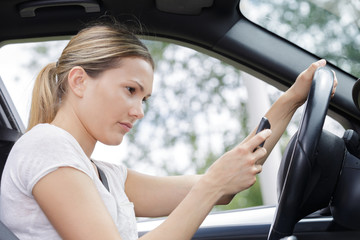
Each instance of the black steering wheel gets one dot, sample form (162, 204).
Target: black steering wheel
(301, 156)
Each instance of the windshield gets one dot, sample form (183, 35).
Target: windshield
(327, 28)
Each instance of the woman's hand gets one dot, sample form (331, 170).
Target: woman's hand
(301, 87)
(283, 109)
(236, 170)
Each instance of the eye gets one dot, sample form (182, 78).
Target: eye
(131, 90)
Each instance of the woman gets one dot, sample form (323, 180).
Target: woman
(52, 190)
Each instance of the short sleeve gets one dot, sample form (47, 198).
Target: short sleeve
(41, 152)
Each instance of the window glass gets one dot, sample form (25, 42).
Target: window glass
(199, 109)
(327, 28)
(19, 66)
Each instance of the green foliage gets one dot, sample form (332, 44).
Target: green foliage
(251, 197)
(198, 108)
(197, 112)
(330, 29)
(43, 53)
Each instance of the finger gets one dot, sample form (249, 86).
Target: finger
(258, 168)
(259, 155)
(259, 138)
(320, 63)
(309, 72)
(335, 84)
(260, 152)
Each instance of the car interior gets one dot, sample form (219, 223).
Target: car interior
(10, 131)
(317, 188)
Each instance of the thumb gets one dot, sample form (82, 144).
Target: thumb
(312, 68)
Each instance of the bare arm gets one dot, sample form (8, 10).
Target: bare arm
(283, 109)
(71, 202)
(233, 172)
(73, 205)
(162, 194)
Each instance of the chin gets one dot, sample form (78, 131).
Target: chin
(112, 141)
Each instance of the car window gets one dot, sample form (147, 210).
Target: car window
(200, 108)
(329, 29)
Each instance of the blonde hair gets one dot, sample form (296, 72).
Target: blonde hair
(96, 48)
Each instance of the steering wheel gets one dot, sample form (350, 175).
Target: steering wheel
(302, 155)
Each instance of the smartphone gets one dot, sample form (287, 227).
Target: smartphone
(264, 124)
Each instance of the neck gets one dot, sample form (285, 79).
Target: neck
(69, 121)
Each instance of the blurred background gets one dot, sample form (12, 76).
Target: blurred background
(202, 107)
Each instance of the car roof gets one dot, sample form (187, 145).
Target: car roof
(216, 27)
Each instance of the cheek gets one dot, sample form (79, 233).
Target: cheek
(110, 109)
(94, 114)
(103, 109)
(115, 106)
(103, 102)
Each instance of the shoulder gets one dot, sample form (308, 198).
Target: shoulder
(45, 134)
(42, 150)
(45, 141)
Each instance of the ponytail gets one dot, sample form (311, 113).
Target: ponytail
(45, 99)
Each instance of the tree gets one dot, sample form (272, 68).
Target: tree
(197, 113)
(328, 28)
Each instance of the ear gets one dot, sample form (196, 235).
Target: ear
(77, 81)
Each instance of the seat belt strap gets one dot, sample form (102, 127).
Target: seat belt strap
(103, 177)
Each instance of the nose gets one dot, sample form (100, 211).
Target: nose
(137, 111)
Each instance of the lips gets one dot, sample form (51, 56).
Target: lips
(126, 126)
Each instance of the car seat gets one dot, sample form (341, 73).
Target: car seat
(8, 136)
(7, 140)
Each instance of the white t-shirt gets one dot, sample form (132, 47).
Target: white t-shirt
(39, 152)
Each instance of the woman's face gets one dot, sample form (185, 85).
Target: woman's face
(113, 101)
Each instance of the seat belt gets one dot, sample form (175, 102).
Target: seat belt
(103, 177)
(5, 233)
